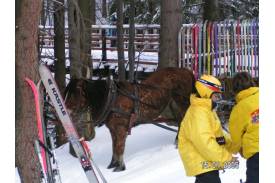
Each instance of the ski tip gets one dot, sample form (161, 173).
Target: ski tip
(42, 66)
(29, 81)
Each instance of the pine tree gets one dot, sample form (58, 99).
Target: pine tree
(26, 65)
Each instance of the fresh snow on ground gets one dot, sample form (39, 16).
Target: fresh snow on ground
(151, 57)
(150, 156)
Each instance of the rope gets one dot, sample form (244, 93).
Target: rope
(165, 127)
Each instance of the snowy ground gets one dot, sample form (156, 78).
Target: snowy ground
(150, 157)
(149, 57)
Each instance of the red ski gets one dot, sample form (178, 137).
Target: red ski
(39, 124)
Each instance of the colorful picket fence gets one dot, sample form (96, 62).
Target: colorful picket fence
(220, 48)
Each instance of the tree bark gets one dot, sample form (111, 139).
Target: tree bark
(79, 17)
(104, 15)
(93, 12)
(131, 47)
(93, 22)
(170, 24)
(59, 46)
(85, 39)
(211, 10)
(26, 65)
(120, 41)
(74, 39)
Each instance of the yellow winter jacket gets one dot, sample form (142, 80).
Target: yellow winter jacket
(244, 123)
(197, 143)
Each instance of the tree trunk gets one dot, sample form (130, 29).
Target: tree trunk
(151, 9)
(59, 46)
(43, 13)
(131, 47)
(26, 65)
(104, 15)
(170, 24)
(120, 41)
(79, 15)
(85, 39)
(93, 22)
(74, 39)
(211, 10)
(93, 12)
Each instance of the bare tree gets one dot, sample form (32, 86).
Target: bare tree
(74, 39)
(86, 33)
(93, 13)
(211, 10)
(26, 65)
(59, 45)
(120, 41)
(170, 24)
(93, 22)
(131, 47)
(104, 15)
(79, 37)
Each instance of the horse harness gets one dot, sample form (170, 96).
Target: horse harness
(134, 115)
(109, 106)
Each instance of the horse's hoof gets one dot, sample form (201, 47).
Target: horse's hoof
(119, 169)
(111, 166)
(112, 163)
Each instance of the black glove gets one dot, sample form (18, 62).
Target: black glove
(220, 140)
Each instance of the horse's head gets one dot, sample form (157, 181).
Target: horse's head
(84, 99)
(76, 100)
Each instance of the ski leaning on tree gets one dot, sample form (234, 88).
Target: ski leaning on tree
(80, 147)
(46, 155)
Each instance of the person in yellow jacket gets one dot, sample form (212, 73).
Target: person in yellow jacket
(244, 124)
(202, 144)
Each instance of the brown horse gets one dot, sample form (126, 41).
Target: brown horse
(121, 105)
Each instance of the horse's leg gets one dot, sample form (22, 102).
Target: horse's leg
(119, 147)
(119, 134)
(113, 162)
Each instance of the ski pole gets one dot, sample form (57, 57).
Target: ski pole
(54, 157)
(38, 152)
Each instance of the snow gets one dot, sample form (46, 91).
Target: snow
(150, 156)
(149, 57)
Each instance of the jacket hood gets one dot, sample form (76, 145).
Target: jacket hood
(246, 93)
(202, 102)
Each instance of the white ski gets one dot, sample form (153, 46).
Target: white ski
(66, 121)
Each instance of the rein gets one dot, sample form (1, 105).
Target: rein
(109, 107)
(112, 95)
